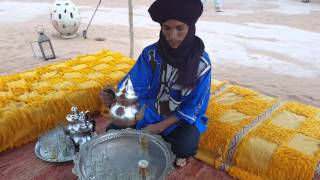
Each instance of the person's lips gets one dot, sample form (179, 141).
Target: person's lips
(173, 44)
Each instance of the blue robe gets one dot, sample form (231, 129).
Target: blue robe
(189, 104)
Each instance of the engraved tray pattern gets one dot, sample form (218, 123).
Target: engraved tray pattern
(118, 151)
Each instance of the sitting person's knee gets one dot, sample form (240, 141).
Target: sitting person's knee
(185, 150)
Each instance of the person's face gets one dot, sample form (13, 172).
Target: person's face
(174, 31)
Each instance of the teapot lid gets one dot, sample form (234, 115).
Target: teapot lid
(127, 89)
(73, 116)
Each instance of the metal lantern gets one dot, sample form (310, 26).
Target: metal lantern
(45, 46)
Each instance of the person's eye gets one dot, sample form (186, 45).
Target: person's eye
(180, 28)
(166, 28)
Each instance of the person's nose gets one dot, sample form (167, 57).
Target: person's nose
(173, 35)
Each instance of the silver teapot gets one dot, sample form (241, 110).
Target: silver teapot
(123, 112)
(80, 127)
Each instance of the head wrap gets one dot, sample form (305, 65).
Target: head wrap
(187, 11)
(187, 56)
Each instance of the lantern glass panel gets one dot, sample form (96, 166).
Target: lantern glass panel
(47, 49)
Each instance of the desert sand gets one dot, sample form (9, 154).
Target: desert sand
(269, 46)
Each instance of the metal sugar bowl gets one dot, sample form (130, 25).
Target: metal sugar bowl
(80, 127)
(123, 112)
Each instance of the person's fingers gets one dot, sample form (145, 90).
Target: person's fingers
(109, 90)
(107, 99)
(147, 128)
(106, 95)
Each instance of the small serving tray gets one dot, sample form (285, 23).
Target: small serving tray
(66, 151)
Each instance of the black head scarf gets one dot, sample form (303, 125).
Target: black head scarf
(187, 56)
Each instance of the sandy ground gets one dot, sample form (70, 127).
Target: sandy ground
(270, 46)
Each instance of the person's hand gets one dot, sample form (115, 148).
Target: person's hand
(162, 125)
(107, 96)
(155, 128)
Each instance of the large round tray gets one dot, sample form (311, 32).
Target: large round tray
(119, 151)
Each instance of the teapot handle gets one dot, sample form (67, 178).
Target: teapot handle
(91, 120)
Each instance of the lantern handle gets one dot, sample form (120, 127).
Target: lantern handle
(39, 29)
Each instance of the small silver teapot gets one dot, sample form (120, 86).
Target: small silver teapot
(80, 127)
(123, 112)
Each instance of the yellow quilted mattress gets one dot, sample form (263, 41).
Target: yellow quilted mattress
(34, 101)
(253, 136)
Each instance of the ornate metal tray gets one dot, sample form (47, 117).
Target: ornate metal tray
(115, 155)
(55, 146)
